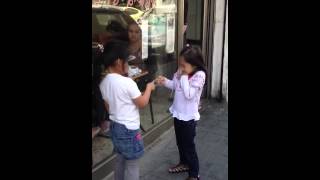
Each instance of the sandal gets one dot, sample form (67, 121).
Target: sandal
(178, 168)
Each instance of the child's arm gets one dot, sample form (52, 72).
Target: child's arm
(169, 84)
(106, 105)
(143, 99)
(139, 99)
(166, 82)
(196, 83)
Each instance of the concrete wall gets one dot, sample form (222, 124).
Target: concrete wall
(218, 47)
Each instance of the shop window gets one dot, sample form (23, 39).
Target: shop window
(150, 32)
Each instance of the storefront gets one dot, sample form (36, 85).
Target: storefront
(153, 47)
(158, 26)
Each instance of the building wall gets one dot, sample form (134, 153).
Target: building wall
(220, 54)
(225, 60)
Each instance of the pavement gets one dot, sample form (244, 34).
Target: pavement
(211, 144)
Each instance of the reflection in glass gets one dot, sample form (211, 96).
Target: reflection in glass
(150, 34)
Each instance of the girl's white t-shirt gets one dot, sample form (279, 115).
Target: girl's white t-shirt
(119, 91)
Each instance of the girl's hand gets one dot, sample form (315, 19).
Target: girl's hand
(160, 80)
(184, 73)
(179, 73)
(151, 85)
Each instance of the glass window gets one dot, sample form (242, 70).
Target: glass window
(149, 28)
(131, 11)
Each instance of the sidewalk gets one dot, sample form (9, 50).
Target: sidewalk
(212, 147)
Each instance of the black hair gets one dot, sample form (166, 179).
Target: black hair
(193, 56)
(117, 30)
(113, 51)
(134, 23)
(115, 26)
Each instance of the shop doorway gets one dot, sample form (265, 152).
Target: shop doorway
(194, 22)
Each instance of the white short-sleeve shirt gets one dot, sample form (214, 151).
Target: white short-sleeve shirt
(119, 91)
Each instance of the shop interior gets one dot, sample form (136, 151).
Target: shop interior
(150, 32)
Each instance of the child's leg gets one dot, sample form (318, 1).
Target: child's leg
(95, 131)
(119, 167)
(179, 138)
(132, 169)
(105, 125)
(190, 149)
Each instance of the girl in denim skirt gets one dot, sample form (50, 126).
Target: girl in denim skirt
(122, 100)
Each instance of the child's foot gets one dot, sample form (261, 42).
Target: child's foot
(179, 168)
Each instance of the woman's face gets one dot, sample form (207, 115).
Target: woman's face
(185, 67)
(134, 33)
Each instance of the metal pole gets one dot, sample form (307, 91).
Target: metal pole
(151, 110)
(180, 24)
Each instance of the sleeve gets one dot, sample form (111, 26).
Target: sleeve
(171, 83)
(198, 80)
(133, 89)
(190, 88)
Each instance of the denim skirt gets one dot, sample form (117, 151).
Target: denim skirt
(126, 142)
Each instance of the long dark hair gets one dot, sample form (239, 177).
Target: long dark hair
(193, 56)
